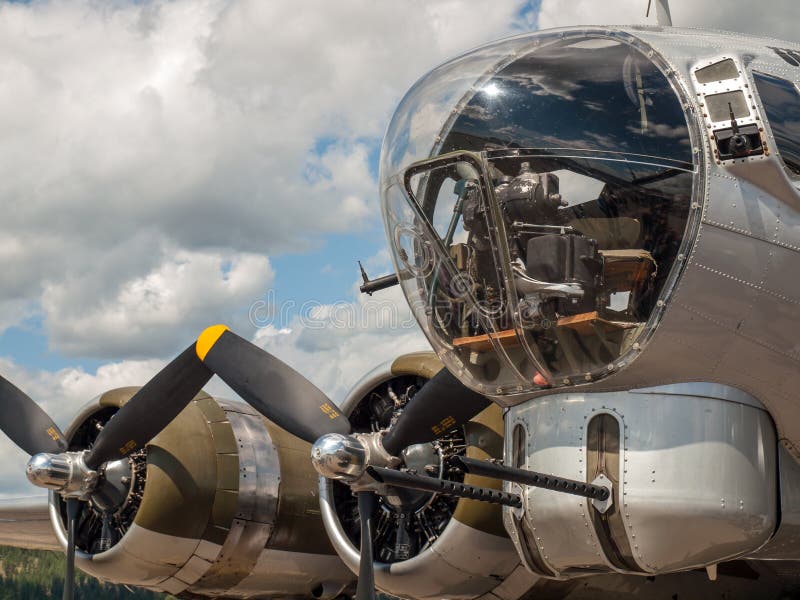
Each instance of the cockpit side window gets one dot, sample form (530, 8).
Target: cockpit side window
(781, 101)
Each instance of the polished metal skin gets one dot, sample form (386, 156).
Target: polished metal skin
(785, 544)
(694, 472)
(338, 456)
(686, 421)
(727, 310)
(731, 315)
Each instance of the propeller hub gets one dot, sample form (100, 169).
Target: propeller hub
(338, 456)
(65, 473)
(423, 459)
(114, 487)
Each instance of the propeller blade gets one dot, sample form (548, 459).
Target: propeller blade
(441, 404)
(365, 589)
(151, 409)
(24, 421)
(73, 505)
(270, 386)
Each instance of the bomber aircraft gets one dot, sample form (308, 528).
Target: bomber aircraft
(598, 231)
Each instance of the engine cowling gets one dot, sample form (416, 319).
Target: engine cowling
(221, 503)
(448, 548)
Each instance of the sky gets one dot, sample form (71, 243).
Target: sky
(165, 166)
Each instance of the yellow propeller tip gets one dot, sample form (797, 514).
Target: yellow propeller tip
(207, 339)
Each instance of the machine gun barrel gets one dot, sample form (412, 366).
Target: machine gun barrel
(531, 478)
(379, 283)
(369, 286)
(411, 481)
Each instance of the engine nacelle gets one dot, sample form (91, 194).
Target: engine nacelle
(221, 503)
(448, 548)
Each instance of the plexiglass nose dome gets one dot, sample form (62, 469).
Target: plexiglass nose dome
(535, 194)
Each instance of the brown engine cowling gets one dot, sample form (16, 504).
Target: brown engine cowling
(222, 503)
(448, 548)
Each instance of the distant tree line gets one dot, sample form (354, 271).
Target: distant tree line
(38, 574)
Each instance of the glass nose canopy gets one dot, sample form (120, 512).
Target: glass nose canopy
(535, 240)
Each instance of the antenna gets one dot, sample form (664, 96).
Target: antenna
(663, 16)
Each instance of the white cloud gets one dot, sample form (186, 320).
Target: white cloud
(193, 125)
(152, 157)
(61, 394)
(160, 311)
(334, 345)
(334, 349)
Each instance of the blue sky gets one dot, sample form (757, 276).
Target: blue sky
(166, 164)
(324, 270)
